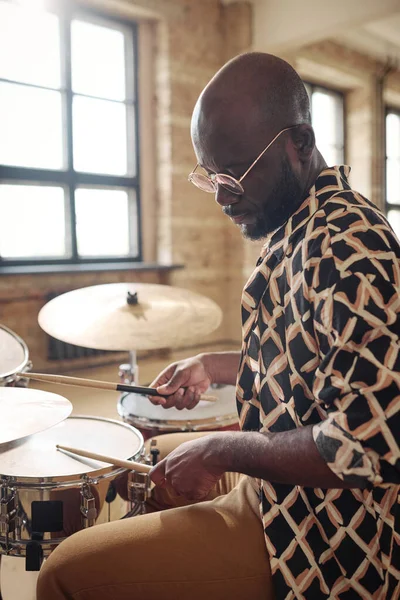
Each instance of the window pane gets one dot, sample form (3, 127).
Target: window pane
(29, 46)
(309, 91)
(332, 154)
(393, 135)
(102, 222)
(30, 127)
(393, 180)
(100, 134)
(327, 121)
(98, 60)
(32, 221)
(394, 219)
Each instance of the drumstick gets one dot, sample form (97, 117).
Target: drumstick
(102, 385)
(118, 462)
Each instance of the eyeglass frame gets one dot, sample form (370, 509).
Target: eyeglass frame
(236, 181)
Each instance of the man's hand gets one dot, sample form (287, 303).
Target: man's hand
(192, 469)
(185, 380)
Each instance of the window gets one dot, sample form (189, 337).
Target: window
(393, 169)
(327, 115)
(69, 184)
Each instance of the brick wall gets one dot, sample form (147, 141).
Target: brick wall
(191, 42)
(192, 229)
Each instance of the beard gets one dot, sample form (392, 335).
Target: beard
(285, 197)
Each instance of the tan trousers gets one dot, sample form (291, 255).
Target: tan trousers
(212, 550)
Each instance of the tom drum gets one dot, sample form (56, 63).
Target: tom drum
(152, 420)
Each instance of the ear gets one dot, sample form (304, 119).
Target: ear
(303, 140)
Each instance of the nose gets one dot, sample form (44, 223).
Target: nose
(223, 197)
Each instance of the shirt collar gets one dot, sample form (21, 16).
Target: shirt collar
(330, 181)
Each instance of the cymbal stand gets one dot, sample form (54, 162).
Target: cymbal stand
(129, 372)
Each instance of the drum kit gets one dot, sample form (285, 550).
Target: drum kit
(53, 481)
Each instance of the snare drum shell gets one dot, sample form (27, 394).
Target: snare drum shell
(66, 483)
(153, 420)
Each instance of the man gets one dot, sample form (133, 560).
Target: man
(317, 377)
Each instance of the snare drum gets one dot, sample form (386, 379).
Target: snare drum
(14, 358)
(46, 495)
(152, 420)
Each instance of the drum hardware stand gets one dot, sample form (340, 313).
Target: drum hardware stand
(34, 552)
(23, 520)
(139, 483)
(8, 511)
(47, 517)
(154, 451)
(129, 372)
(138, 489)
(23, 382)
(88, 504)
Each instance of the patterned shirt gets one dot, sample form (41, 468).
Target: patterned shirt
(321, 325)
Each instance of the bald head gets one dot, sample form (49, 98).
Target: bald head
(235, 127)
(258, 86)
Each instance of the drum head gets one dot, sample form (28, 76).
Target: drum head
(14, 354)
(138, 410)
(37, 455)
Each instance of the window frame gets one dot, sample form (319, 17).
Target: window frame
(387, 205)
(340, 93)
(68, 178)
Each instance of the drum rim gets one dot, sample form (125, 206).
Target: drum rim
(22, 365)
(74, 480)
(175, 424)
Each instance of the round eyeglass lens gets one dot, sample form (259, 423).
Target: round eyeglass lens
(202, 182)
(229, 183)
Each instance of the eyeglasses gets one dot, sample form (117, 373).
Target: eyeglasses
(209, 183)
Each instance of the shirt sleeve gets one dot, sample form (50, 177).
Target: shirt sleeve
(357, 324)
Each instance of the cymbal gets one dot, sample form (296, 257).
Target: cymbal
(130, 316)
(24, 412)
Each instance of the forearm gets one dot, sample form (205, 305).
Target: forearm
(222, 366)
(287, 457)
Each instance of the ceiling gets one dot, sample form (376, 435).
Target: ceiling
(379, 38)
(372, 26)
